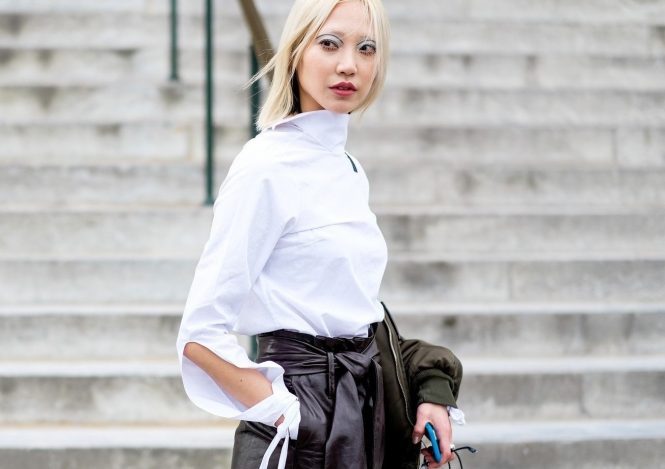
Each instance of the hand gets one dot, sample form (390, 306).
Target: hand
(437, 415)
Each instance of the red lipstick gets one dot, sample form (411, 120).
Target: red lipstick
(343, 88)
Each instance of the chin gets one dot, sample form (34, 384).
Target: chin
(341, 108)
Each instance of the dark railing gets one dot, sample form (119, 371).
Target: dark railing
(260, 39)
(209, 104)
(260, 54)
(174, 76)
(254, 92)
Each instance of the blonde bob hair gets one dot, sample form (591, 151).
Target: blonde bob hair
(304, 21)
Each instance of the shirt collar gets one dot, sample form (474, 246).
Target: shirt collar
(328, 128)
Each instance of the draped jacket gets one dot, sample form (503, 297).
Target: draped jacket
(414, 372)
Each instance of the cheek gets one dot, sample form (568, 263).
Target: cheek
(304, 69)
(369, 70)
(369, 74)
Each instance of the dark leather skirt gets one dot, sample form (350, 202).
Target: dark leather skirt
(340, 388)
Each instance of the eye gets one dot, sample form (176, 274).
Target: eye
(367, 48)
(329, 43)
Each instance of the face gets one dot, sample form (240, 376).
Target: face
(338, 67)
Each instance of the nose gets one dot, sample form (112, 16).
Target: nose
(347, 63)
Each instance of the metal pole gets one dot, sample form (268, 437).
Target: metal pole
(254, 105)
(209, 100)
(258, 30)
(255, 93)
(174, 41)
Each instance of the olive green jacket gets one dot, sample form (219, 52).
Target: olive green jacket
(414, 372)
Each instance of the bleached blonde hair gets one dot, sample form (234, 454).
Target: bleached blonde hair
(304, 21)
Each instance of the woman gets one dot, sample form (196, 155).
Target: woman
(295, 256)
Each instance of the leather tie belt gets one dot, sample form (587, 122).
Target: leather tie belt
(354, 385)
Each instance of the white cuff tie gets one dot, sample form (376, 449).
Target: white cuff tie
(288, 429)
(456, 415)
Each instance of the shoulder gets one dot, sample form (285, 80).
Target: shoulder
(259, 157)
(270, 150)
(265, 162)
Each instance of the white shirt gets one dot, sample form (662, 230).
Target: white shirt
(293, 245)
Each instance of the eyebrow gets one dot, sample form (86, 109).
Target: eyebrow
(341, 35)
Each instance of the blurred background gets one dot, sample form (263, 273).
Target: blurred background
(517, 168)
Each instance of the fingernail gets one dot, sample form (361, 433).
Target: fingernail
(415, 440)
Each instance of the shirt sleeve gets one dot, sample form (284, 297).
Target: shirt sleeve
(255, 205)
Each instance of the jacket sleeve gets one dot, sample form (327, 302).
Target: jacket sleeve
(435, 373)
(254, 207)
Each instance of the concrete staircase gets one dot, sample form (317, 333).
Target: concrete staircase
(517, 167)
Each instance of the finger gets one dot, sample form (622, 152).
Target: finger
(432, 462)
(444, 435)
(418, 430)
(428, 453)
(443, 441)
(446, 453)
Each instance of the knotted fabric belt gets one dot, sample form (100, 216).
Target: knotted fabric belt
(348, 364)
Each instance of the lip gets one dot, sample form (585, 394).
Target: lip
(343, 88)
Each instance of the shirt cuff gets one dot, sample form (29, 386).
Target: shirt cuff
(270, 409)
(456, 415)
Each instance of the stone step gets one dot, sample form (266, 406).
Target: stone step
(126, 102)
(69, 332)
(62, 67)
(479, 10)
(76, 66)
(517, 71)
(510, 146)
(96, 333)
(523, 233)
(544, 330)
(80, 6)
(523, 108)
(428, 184)
(458, 35)
(398, 106)
(141, 392)
(54, 185)
(84, 392)
(117, 447)
(94, 143)
(183, 231)
(451, 277)
(563, 388)
(70, 29)
(81, 66)
(462, 147)
(152, 140)
(599, 444)
(565, 279)
(605, 444)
